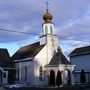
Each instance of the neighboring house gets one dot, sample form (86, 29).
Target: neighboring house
(81, 58)
(36, 63)
(5, 67)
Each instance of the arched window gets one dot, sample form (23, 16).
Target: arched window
(51, 29)
(25, 68)
(41, 73)
(17, 74)
(46, 29)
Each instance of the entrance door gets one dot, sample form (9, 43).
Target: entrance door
(67, 77)
(52, 78)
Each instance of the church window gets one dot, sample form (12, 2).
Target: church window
(51, 29)
(17, 74)
(4, 75)
(25, 73)
(46, 29)
(40, 73)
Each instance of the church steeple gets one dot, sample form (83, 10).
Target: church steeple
(48, 26)
(47, 17)
(49, 36)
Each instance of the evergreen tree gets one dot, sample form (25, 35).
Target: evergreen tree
(52, 78)
(59, 79)
(82, 77)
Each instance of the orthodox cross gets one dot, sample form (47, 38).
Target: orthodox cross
(47, 4)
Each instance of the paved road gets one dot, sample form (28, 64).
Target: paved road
(49, 88)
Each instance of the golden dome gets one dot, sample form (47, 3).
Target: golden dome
(47, 17)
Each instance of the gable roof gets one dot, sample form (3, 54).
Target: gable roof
(4, 58)
(80, 51)
(57, 59)
(27, 51)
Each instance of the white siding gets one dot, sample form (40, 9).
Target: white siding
(81, 62)
(29, 79)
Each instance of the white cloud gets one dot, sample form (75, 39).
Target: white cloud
(75, 43)
(71, 18)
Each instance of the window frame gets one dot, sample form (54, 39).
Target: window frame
(40, 73)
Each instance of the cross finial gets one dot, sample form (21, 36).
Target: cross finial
(47, 4)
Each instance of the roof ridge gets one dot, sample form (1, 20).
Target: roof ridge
(58, 58)
(30, 44)
(27, 51)
(81, 50)
(82, 47)
(3, 48)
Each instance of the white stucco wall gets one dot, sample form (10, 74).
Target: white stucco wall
(30, 72)
(64, 70)
(43, 40)
(40, 58)
(43, 58)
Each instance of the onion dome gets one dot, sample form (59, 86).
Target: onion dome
(47, 17)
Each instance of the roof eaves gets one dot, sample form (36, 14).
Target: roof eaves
(39, 50)
(78, 54)
(23, 60)
(46, 66)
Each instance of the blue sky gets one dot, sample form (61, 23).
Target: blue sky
(70, 17)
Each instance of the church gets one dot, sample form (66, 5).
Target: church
(37, 64)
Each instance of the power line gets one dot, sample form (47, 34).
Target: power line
(29, 11)
(7, 30)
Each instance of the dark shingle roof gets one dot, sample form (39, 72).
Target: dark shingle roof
(57, 59)
(80, 51)
(4, 58)
(27, 51)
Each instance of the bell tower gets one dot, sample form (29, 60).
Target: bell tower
(49, 35)
(48, 27)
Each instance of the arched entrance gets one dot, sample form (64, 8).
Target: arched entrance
(69, 78)
(52, 77)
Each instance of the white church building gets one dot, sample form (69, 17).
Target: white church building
(36, 63)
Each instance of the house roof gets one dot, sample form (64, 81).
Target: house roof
(4, 58)
(80, 51)
(57, 59)
(27, 51)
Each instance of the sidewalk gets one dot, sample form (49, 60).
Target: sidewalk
(1, 88)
